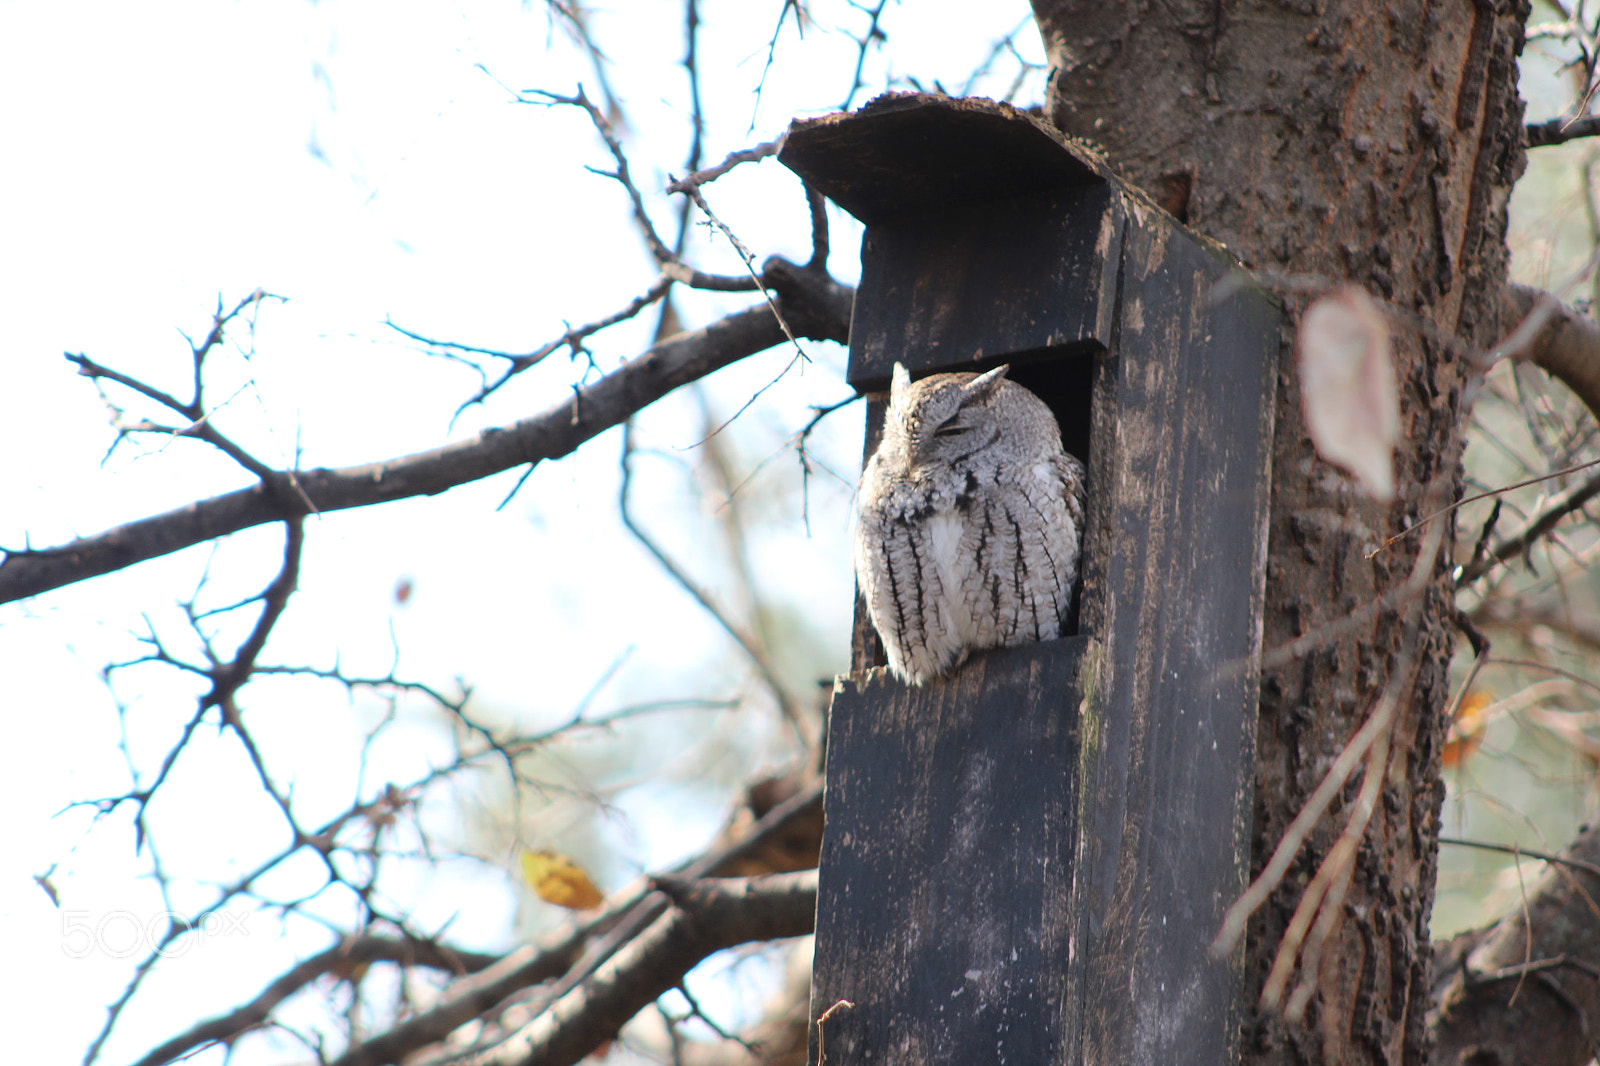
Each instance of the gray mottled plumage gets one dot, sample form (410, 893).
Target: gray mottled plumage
(969, 518)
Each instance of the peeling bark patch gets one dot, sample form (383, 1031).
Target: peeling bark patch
(1469, 93)
(1497, 159)
(1365, 1025)
(1444, 273)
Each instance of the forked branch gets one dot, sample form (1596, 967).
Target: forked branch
(813, 305)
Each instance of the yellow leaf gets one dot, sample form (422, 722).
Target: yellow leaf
(1466, 732)
(557, 879)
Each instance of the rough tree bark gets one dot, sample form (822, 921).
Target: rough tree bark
(1375, 142)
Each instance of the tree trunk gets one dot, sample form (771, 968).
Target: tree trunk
(1376, 143)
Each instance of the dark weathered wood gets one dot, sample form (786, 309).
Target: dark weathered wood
(1174, 584)
(970, 206)
(1106, 851)
(943, 911)
(986, 281)
(910, 153)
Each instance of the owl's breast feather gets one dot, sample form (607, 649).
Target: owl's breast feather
(945, 532)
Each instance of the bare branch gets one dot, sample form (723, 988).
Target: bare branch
(814, 305)
(710, 174)
(195, 410)
(818, 205)
(1553, 1020)
(705, 917)
(1566, 345)
(572, 339)
(577, 21)
(1494, 494)
(557, 954)
(750, 265)
(622, 175)
(1519, 542)
(91, 369)
(344, 959)
(873, 35)
(1507, 849)
(672, 273)
(1560, 131)
(772, 48)
(697, 111)
(226, 678)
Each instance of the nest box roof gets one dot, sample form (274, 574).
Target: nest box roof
(912, 152)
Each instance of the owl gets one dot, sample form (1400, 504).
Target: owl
(968, 522)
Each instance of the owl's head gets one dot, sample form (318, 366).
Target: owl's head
(946, 418)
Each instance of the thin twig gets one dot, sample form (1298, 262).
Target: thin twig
(1519, 542)
(1377, 725)
(772, 51)
(621, 175)
(1517, 849)
(1441, 512)
(1527, 941)
(733, 159)
(873, 34)
(749, 264)
(752, 650)
(1324, 896)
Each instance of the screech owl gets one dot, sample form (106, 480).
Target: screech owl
(968, 522)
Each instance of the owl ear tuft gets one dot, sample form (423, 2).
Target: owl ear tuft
(984, 383)
(899, 382)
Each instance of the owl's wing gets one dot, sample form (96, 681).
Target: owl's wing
(1070, 470)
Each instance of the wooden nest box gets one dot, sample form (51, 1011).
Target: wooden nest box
(1026, 863)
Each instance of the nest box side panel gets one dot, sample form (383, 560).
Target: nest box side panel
(1168, 779)
(943, 906)
(984, 282)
